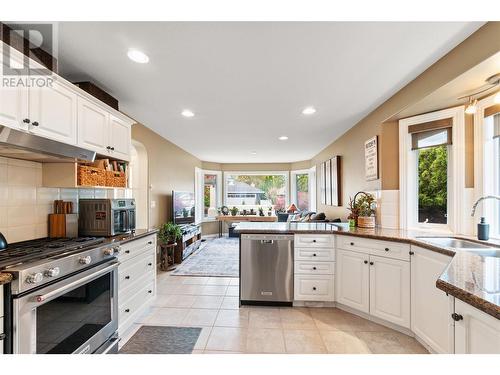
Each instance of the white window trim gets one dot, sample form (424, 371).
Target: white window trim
(312, 185)
(260, 173)
(483, 164)
(199, 191)
(456, 183)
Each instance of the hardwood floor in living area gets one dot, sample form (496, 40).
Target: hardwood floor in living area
(212, 304)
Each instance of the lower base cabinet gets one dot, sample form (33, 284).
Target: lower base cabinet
(313, 288)
(431, 308)
(475, 331)
(353, 280)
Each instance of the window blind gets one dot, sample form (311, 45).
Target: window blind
(430, 134)
(496, 125)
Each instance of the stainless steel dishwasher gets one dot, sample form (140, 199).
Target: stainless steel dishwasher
(266, 269)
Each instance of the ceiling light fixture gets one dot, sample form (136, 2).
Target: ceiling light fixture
(309, 111)
(283, 138)
(187, 113)
(497, 98)
(254, 153)
(137, 56)
(471, 107)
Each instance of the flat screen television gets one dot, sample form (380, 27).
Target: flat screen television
(183, 209)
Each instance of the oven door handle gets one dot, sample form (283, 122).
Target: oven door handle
(83, 280)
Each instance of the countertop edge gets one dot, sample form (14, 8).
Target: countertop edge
(5, 278)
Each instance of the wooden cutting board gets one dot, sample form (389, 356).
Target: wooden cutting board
(63, 225)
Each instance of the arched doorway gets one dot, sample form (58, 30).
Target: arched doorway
(139, 183)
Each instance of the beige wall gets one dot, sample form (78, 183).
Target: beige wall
(170, 168)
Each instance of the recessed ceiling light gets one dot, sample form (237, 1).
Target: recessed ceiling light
(308, 111)
(187, 113)
(137, 56)
(283, 138)
(254, 153)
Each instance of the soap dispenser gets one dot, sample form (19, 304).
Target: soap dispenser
(483, 230)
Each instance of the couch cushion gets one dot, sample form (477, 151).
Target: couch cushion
(318, 217)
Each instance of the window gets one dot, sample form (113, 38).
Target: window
(304, 189)
(208, 186)
(432, 178)
(251, 190)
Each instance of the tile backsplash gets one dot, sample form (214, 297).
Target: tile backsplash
(25, 203)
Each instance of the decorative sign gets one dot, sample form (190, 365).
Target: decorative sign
(330, 184)
(371, 159)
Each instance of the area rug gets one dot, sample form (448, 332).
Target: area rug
(215, 257)
(162, 340)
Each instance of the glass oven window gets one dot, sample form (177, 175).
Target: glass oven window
(67, 322)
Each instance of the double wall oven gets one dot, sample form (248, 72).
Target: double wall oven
(65, 304)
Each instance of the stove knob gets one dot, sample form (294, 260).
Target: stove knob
(52, 272)
(109, 251)
(34, 278)
(117, 249)
(85, 260)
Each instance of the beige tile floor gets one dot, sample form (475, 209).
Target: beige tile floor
(212, 304)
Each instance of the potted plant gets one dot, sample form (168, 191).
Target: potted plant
(261, 211)
(234, 211)
(269, 211)
(366, 208)
(169, 233)
(353, 216)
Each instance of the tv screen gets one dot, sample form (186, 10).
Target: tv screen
(183, 207)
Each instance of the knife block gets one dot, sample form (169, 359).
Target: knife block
(63, 225)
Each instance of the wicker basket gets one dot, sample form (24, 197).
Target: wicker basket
(116, 179)
(366, 221)
(90, 176)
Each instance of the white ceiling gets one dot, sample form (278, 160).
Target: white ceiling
(248, 82)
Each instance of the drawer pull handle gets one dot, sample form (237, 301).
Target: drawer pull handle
(314, 240)
(150, 242)
(314, 268)
(457, 317)
(314, 288)
(150, 291)
(411, 253)
(127, 277)
(127, 251)
(386, 249)
(2, 336)
(127, 310)
(371, 263)
(352, 243)
(150, 264)
(314, 254)
(366, 262)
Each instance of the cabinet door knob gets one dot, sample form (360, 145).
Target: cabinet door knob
(352, 243)
(371, 263)
(314, 254)
(127, 251)
(35, 123)
(127, 310)
(108, 147)
(112, 148)
(366, 262)
(150, 242)
(26, 121)
(314, 240)
(150, 264)
(314, 288)
(411, 253)
(314, 268)
(386, 249)
(150, 291)
(127, 277)
(457, 317)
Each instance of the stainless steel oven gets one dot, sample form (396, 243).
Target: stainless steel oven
(77, 314)
(106, 217)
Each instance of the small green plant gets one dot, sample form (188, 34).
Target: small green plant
(234, 211)
(261, 211)
(169, 233)
(366, 205)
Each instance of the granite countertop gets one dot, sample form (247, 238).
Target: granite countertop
(472, 278)
(5, 278)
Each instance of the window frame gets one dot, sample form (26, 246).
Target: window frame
(408, 173)
(286, 174)
(200, 191)
(311, 172)
(485, 166)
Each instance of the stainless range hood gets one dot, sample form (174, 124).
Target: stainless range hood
(19, 144)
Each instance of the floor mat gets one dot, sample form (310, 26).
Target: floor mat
(216, 257)
(162, 340)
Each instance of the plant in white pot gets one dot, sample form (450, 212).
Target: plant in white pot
(366, 208)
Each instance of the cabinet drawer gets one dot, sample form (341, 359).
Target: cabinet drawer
(130, 249)
(387, 249)
(135, 303)
(316, 255)
(314, 268)
(125, 293)
(135, 269)
(313, 287)
(314, 240)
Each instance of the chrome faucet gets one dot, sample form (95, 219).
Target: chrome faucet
(497, 197)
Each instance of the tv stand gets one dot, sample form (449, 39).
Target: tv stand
(190, 242)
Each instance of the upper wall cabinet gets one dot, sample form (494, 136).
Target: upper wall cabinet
(67, 114)
(52, 113)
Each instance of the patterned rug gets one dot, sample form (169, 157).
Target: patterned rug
(215, 257)
(162, 340)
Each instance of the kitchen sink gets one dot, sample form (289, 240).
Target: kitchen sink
(455, 243)
(491, 253)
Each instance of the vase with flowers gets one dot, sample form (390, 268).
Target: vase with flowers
(363, 208)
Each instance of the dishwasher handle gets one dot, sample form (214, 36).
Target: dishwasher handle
(267, 242)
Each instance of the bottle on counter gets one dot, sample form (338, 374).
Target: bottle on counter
(483, 230)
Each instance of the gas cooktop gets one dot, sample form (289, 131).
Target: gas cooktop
(34, 250)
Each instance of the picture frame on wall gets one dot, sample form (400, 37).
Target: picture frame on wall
(322, 182)
(371, 159)
(330, 182)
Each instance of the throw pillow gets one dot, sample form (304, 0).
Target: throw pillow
(318, 217)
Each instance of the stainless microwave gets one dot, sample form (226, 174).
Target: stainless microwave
(106, 217)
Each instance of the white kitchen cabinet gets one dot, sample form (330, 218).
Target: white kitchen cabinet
(93, 126)
(314, 288)
(475, 331)
(14, 107)
(390, 290)
(53, 112)
(431, 308)
(119, 138)
(352, 280)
